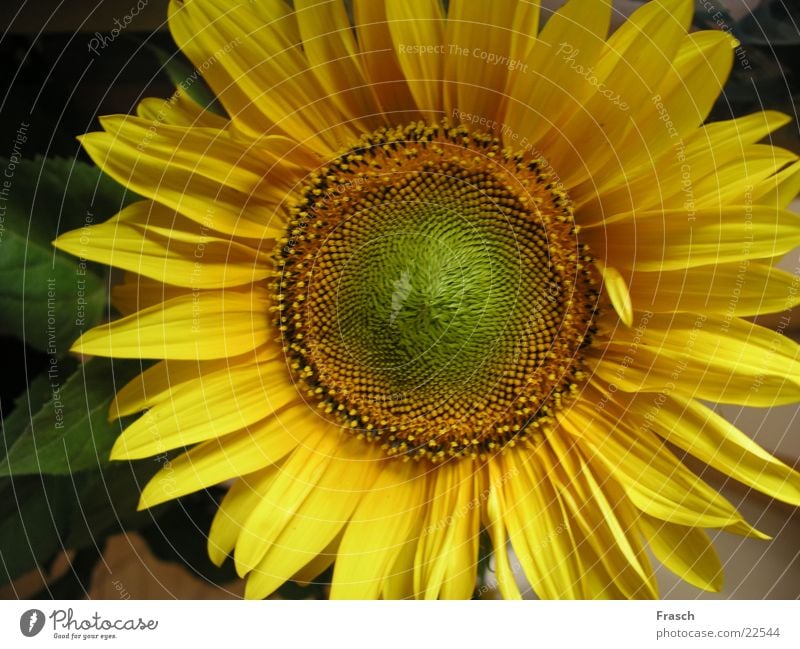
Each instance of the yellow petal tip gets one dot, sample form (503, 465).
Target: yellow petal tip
(216, 554)
(617, 290)
(77, 346)
(120, 451)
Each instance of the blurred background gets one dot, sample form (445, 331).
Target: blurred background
(76, 534)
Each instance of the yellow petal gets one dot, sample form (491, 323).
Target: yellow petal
(635, 60)
(525, 29)
(417, 29)
(779, 190)
(496, 524)
(237, 504)
(179, 110)
(656, 482)
(201, 325)
(672, 239)
(447, 553)
(192, 258)
(542, 101)
(477, 64)
(617, 290)
(239, 453)
(712, 439)
(296, 528)
(267, 168)
(721, 359)
(701, 177)
(596, 582)
(666, 181)
(437, 530)
(686, 551)
(330, 46)
(735, 289)
(462, 552)
(212, 406)
(196, 196)
(399, 581)
(380, 63)
(605, 520)
(158, 382)
(297, 480)
(252, 57)
(386, 518)
(732, 183)
(737, 133)
(137, 293)
(319, 563)
(679, 103)
(537, 525)
(726, 344)
(681, 373)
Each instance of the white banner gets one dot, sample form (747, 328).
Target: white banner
(401, 625)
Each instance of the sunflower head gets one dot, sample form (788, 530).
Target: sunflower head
(443, 273)
(433, 292)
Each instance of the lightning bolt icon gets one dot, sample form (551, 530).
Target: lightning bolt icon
(32, 620)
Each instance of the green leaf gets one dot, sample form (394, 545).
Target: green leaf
(34, 512)
(184, 76)
(40, 516)
(71, 431)
(105, 502)
(40, 391)
(49, 298)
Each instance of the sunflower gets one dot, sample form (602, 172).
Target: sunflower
(444, 274)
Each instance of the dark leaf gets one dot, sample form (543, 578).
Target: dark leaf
(184, 76)
(71, 431)
(317, 589)
(105, 502)
(48, 298)
(181, 537)
(34, 511)
(40, 391)
(711, 14)
(42, 515)
(772, 24)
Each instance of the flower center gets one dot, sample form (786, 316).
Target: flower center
(432, 293)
